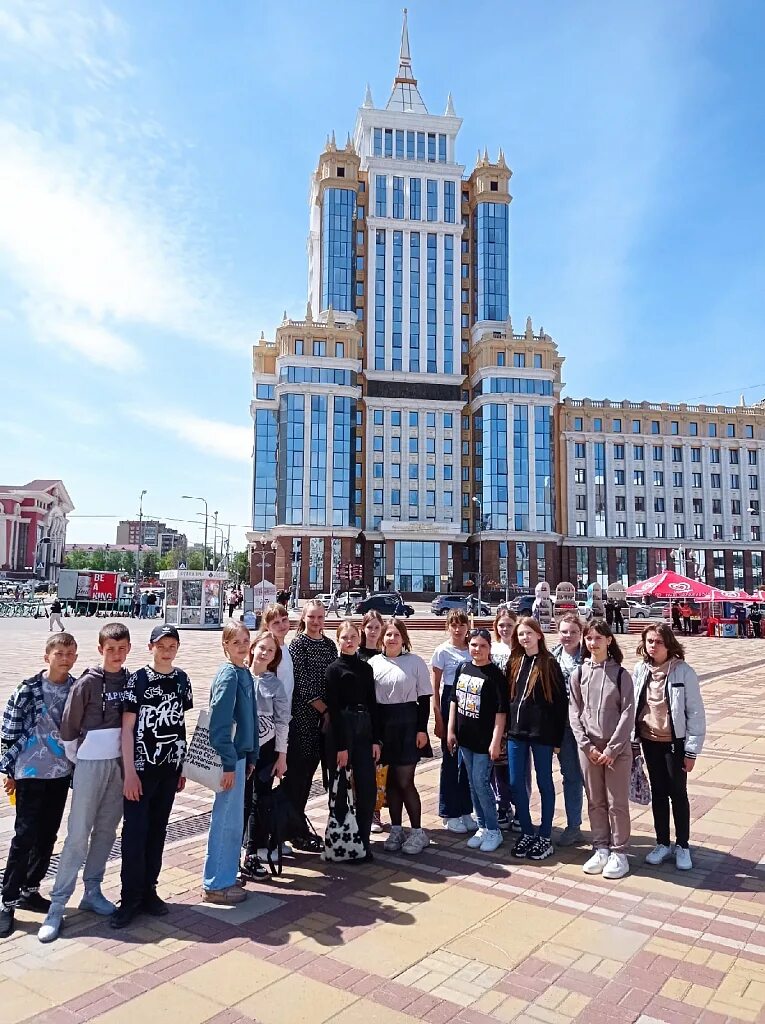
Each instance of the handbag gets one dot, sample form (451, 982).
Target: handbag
(342, 840)
(203, 762)
(640, 788)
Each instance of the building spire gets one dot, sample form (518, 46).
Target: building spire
(405, 56)
(450, 106)
(405, 95)
(368, 101)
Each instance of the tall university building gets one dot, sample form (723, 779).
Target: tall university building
(405, 418)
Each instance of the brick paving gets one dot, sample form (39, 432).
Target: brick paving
(450, 936)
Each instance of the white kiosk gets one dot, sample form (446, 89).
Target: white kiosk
(194, 599)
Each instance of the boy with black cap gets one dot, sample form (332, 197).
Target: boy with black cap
(153, 749)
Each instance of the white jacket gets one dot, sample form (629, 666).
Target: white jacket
(683, 695)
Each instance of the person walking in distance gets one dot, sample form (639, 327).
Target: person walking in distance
(602, 716)
(55, 616)
(568, 653)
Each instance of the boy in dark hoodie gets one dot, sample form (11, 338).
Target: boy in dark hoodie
(37, 776)
(91, 730)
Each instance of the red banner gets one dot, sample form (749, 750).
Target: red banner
(103, 586)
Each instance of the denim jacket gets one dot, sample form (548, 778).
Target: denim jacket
(233, 707)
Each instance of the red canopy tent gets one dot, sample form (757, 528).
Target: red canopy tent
(732, 596)
(671, 585)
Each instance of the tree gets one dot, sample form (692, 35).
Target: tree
(194, 561)
(149, 564)
(240, 567)
(172, 559)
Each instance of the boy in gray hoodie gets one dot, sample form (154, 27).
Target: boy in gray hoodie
(91, 729)
(602, 717)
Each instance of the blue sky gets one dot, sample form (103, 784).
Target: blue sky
(154, 169)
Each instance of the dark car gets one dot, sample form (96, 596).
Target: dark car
(385, 604)
(523, 604)
(462, 602)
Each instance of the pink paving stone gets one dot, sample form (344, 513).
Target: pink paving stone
(469, 1016)
(578, 981)
(522, 988)
(172, 971)
(698, 974)
(422, 1004)
(98, 1006)
(597, 1013)
(710, 1017)
(640, 978)
(636, 999)
(441, 1013)
(397, 997)
(325, 969)
(672, 1010)
(529, 968)
(364, 986)
(57, 1016)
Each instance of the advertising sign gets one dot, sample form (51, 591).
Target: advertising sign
(103, 586)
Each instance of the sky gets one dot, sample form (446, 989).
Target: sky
(154, 171)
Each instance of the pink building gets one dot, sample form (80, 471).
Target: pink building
(33, 528)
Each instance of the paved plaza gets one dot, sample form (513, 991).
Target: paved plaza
(450, 936)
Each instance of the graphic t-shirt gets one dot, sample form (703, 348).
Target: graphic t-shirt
(159, 701)
(44, 756)
(480, 694)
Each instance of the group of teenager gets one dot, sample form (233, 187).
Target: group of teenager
(277, 712)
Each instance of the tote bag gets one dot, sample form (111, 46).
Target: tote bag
(342, 840)
(640, 788)
(203, 763)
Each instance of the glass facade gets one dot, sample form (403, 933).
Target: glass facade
(381, 195)
(398, 198)
(490, 229)
(582, 567)
(338, 225)
(317, 512)
(415, 199)
(641, 564)
(522, 567)
(543, 467)
(494, 497)
(316, 375)
(450, 204)
(316, 563)
(521, 466)
(289, 490)
(432, 200)
(398, 298)
(417, 566)
(432, 286)
(414, 301)
(264, 470)
(513, 386)
(448, 304)
(343, 445)
(379, 300)
(599, 451)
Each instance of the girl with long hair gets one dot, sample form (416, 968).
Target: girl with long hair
(403, 694)
(455, 803)
(670, 727)
(353, 739)
(234, 736)
(569, 653)
(502, 634)
(372, 628)
(276, 619)
(602, 717)
(536, 721)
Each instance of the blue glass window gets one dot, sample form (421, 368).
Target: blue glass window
(379, 300)
(378, 144)
(395, 497)
(399, 144)
(491, 255)
(521, 466)
(389, 142)
(449, 201)
(432, 366)
(442, 149)
(420, 145)
(398, 294)
(432, 200)
(415, 199)
(338, 212)
(381, 195)
(264, 470)
(264, 391)
(448, 303)
(514, 386)
(410, 145)
(290, 468)
(448, 472)
(417, 566)
(316, 375)
(343, 436)
(318, 465)
(431, 148)
(543, 467)
(398, 198)
(414, 300)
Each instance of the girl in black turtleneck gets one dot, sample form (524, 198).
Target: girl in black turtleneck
(353, 737)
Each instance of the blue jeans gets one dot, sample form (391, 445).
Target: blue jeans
(518, 752)
(454, 797)
(478, 771)
(224, 840)
(573, 783)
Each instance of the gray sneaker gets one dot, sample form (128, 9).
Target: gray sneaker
(416, 841)
(395, 840)
(97, 903)
(51, 926)
(571, 835)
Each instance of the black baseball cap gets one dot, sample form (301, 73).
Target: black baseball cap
(159, 631)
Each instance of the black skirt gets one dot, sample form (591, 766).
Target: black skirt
(399, 734)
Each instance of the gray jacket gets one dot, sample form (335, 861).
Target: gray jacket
(686, 708)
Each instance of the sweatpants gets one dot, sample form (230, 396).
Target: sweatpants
(608, 801)
(39, 809)
(94, 815)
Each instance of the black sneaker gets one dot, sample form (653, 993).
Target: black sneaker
(308, 844)
(7, 921)
(523, 846)
(541, 848)
(124, 914)
(154, 906)
(515, 826)
(253, 868)
(503, 820)
(33, 901)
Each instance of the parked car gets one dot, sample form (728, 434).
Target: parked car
(462, 602)
(387, 603)
(522, 604)
(355, 596)
(324, 598)
(657, 610)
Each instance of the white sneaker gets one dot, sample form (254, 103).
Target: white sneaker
(395, 839)
(469, 822)
(617, 866)
(51, 926)
(416, 841)
(492, 841)
(659, 854)
(683, 860)
(477, 838)
(596, 863)
(456, 825)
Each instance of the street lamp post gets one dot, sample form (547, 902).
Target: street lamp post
(140, 538)
(477, 501)
(193, 497)
(262, 548)
(215, 541)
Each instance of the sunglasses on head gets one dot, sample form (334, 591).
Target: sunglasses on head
(483, 633)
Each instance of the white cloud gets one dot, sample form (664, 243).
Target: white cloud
(98, 345)
(223, 440)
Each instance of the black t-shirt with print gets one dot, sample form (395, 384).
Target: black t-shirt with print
(159, 702)
(480, 694)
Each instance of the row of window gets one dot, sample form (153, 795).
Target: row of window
(414, 497)
(678, 505)
(639, 478)
(409, 145)
(313, 375)
(394, 444)
(394, 418)
(656, 427)
(676, 453)
(519, 359)
(619, 529)
(693, 565)
(513, 386)
(398, 205)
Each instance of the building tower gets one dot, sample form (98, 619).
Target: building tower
(388, 435)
